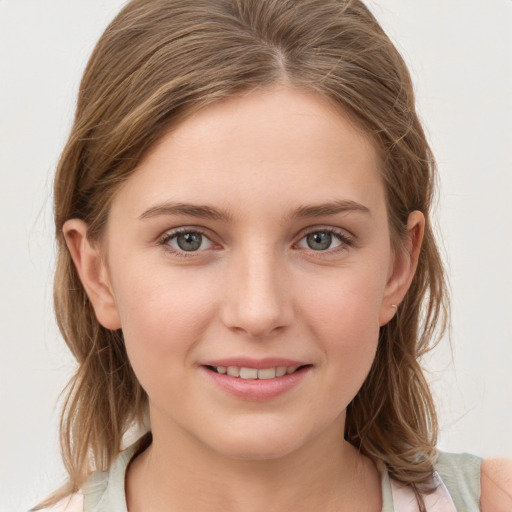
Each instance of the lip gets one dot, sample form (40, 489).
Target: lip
(256, 390)
(258, 364)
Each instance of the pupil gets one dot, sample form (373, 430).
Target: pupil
(319, 241)
(189, 241)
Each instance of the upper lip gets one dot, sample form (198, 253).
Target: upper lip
(258, 364)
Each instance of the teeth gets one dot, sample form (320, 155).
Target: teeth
(248, 373)
(233, 371)
(280, 371)
(253, 373)
(268, 373)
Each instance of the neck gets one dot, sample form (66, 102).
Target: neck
(177, 472)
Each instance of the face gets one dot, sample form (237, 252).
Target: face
(249, 263)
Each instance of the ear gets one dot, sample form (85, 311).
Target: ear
(93, 273)
(403, 268)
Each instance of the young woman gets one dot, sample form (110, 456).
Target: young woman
(247, 270)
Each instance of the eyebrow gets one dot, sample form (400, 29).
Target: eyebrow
(209, 212)
(332, 208)
(192, 210)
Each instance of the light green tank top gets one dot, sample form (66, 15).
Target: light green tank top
(460, 474)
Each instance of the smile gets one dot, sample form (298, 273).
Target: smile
(256, 379)
(243, 372)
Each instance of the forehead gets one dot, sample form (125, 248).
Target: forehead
(280, 143)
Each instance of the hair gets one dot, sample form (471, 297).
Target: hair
(160, 60)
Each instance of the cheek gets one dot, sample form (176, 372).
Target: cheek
(345, 319)
(347, 301)
(162, 317)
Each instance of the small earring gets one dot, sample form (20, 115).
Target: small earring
(394, 306)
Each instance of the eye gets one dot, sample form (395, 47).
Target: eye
(188, 241)
(323, 240)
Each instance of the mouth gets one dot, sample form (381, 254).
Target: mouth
(247, 373)
(256, 380)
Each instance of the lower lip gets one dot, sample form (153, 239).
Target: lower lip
(257, 389)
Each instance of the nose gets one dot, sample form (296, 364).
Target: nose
(257, 295)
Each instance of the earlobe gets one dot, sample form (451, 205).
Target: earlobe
(404, 267)
(93, 273)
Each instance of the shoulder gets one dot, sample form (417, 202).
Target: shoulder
(106, 487)
(74, 503)
(460, 474)
(496, 482)
(460, 470)
(471, 479)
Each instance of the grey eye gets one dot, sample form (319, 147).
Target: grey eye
(189, 241)
(320, 241)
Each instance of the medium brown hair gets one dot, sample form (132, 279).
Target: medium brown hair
(162, 59)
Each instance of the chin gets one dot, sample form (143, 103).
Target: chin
(261, 450)
(259, 443)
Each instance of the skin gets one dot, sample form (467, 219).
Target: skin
(496, 485)
(256, 289)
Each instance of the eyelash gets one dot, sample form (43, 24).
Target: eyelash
(168, 236)
(346, 241)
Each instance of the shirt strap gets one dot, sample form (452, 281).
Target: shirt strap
(404, 499)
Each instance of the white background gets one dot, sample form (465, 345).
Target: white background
(460, 57)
